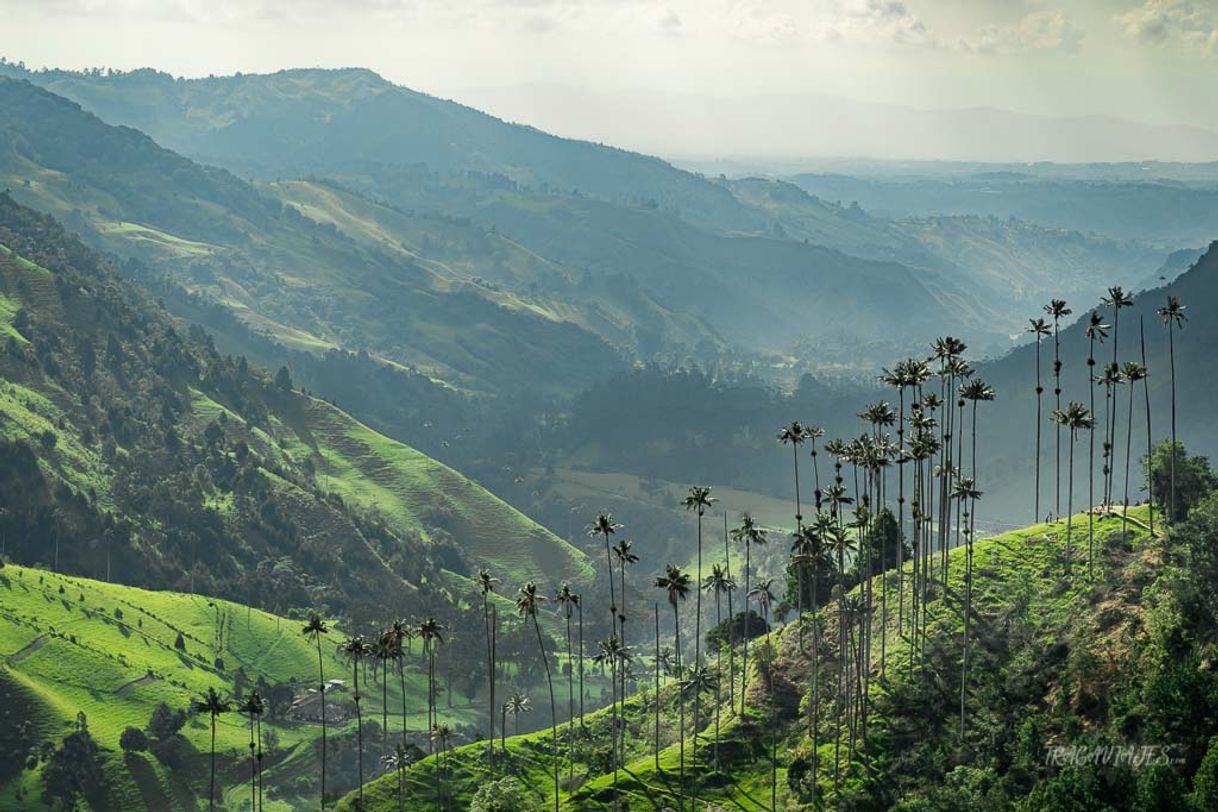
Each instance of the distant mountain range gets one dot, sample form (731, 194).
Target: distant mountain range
(775, 126)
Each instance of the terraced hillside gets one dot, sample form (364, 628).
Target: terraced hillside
(74, 645)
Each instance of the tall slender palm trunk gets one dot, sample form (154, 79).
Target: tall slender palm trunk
(1150, 462)
(545, 661)
(1171, 353)
(676, 625)
(744, 649)
(731, 614)
(1039, 418)
(321, 696)
(1091, 461)
(657, 675)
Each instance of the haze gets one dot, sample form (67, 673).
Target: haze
(716, 77)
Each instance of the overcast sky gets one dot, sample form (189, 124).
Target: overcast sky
(1153, 61)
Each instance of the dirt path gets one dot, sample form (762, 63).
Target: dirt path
(1118, 511)
(127, 688)
(31, 647)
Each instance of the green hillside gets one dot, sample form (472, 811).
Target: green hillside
(135, 450)
(74, 645)
(1056, 662)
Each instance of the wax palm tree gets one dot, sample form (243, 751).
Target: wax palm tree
(486, 586)
(699, 680)
(814, 433)
(698, 500)
(676, 583)
(1173, 317)
(1096, 331)
(252, 707)
(1150, 462)
(314, 630)
(731, 609)
(353, 651)
(1058, 310)
(604, 526)
(968, 494)
(750, 533)
(1110, 379)
(614, 653)
(517, 704)
(527, 604)
(1075, 418)
(432, 635)
(763, 594)
(794, 435)
(441, 735)
(398, 761)
(567, 600)
(624, 557)
(1040, 329)
(382, 650)
(1133, 372)
(1118, 300)
(213, 705)
(719, 583)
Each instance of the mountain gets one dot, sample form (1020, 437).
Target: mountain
(787, 126)
(304, 283)
(1006, 426)
(135, 451)
(1150, 203)
(321, 122)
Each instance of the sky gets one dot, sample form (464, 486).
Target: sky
(610, 67)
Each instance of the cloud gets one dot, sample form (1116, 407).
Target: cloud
(874, 21)
(1036, 31)
(670, 23)
(1166, 22)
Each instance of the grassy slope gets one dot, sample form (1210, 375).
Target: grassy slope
(69, 652)
(418, 492)
(1024, 564)
(413, 490)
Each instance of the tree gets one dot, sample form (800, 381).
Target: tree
(74, 769)
(486, 585)
(1096, 331)
(1173, 317)
(252, 707)
(975, 391)
(604, 526)
(1074, 418)
(793, 435)
(622, 553)
(765, 599)
(1133, 372)
(432, 635)
(1193, 482)
(527, 603)
(1040, 329)
(314, 630)
(213, 705)
(133, 740)
(676, 584)
(750, 533)
(399, 760)
(1117, 299)
(354, 650)
(283, 379)
(698, 500)
(381, 649)
(720, 584)
(504, 795)
(567, 600)
(1058, 310)
(613, 652)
